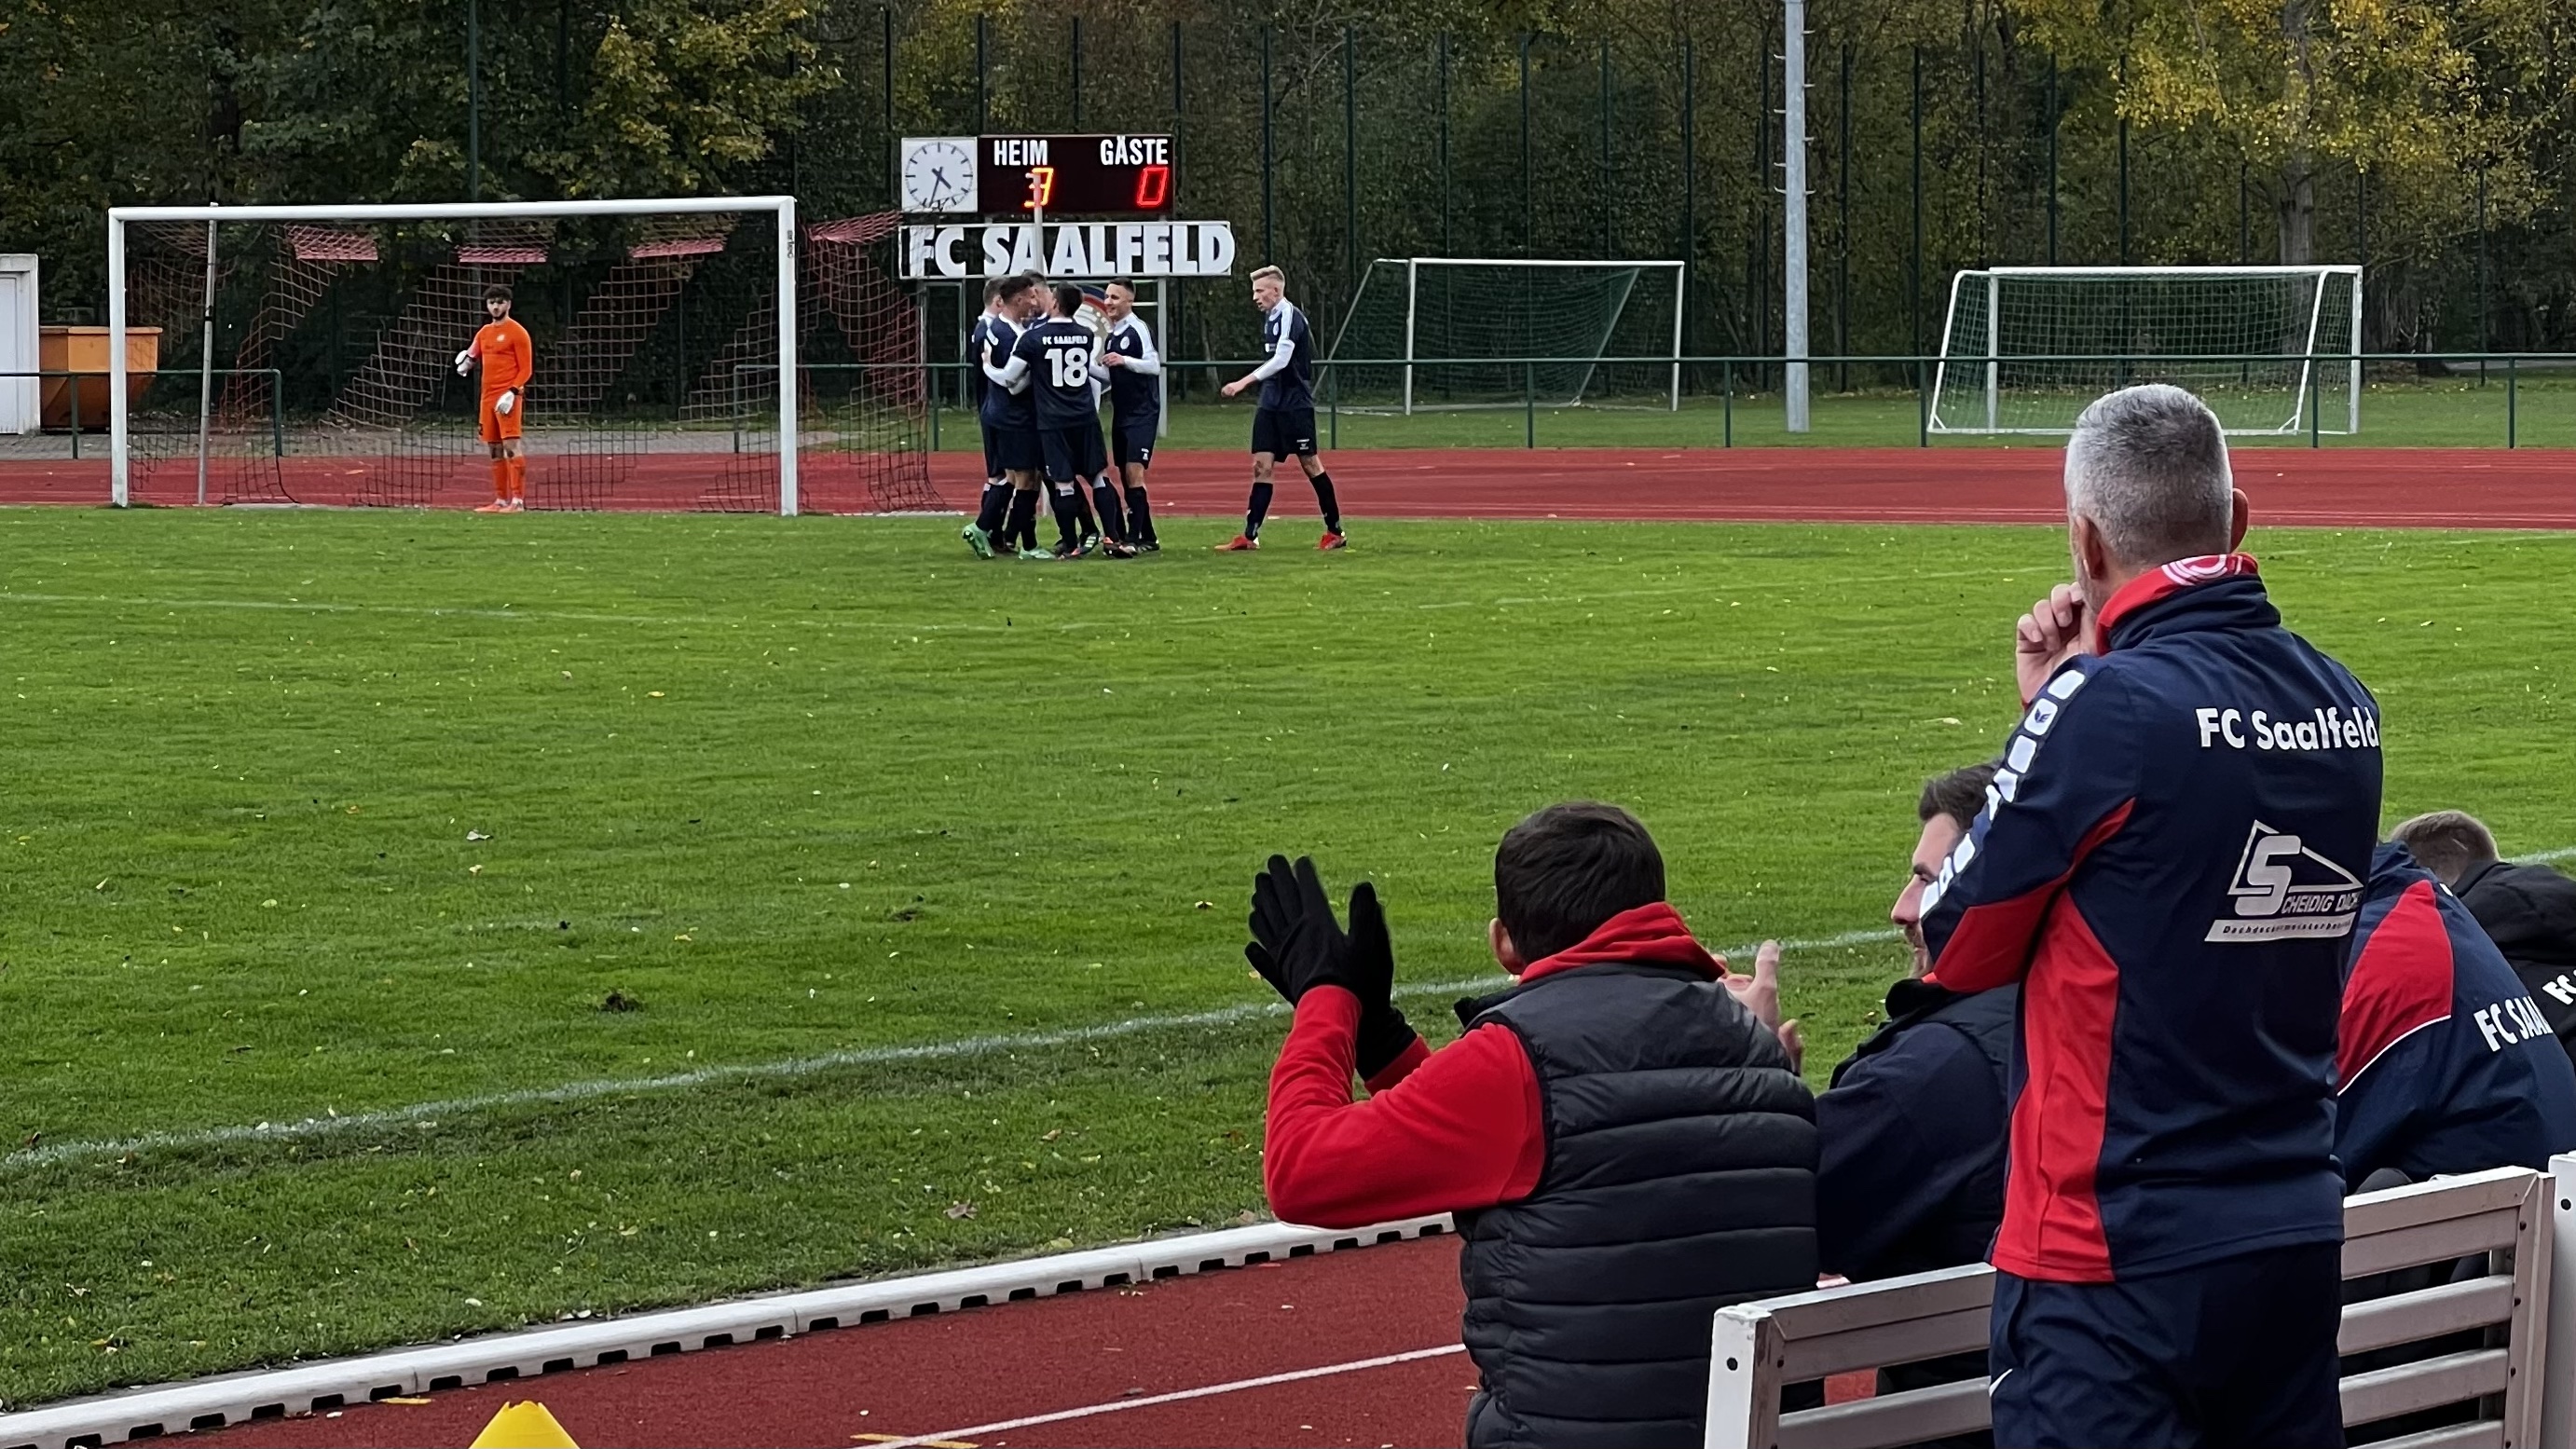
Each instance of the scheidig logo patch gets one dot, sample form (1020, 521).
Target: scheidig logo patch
(2284, 890)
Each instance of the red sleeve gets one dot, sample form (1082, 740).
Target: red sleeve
(1460, 1129)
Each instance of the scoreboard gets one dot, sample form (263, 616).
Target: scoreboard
(1022, 177)
(1076, 175)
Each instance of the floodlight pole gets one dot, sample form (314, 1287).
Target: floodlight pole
(1793, 252)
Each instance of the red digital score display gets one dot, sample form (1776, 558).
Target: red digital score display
(1074, 176)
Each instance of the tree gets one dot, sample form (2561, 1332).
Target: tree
(2297, 86)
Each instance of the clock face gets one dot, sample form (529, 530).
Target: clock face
(939, 173)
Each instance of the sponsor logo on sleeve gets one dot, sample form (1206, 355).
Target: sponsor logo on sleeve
(2283, 890)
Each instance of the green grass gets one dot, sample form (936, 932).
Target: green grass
(2447, 413)
(800, 786)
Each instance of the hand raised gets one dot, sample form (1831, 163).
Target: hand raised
(2046, 637)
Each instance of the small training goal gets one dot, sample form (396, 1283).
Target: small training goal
(2271, 349)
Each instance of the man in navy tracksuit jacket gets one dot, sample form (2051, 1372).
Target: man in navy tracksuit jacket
(2445, 1063)
(2171, 863)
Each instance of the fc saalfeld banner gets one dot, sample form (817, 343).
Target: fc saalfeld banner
(1069, 249)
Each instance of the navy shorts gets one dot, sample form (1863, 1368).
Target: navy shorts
(1281, 432)
(2236, 1352)
(1131, 440)
(1073, 454)
(1009, 449)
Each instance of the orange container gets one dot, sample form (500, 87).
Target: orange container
(84, 349)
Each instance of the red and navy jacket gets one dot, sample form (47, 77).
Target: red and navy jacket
(1454, 1130)
(2170, 862)
(2446, 1064)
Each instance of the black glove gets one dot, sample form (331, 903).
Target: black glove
(1292, 923)
(1288, 901)
(1384, 1034)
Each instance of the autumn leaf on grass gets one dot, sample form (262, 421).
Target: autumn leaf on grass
(958, 1210)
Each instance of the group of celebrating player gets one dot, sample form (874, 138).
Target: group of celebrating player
(1043, 356)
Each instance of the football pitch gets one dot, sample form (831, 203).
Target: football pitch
(417, 923)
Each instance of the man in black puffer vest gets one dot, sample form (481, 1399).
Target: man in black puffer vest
(1627, 1148)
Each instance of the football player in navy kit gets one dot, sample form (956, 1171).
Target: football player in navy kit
(1134, 370)
(1284, 424)
(1010, 501)
(1054, 361)
(1010, 459)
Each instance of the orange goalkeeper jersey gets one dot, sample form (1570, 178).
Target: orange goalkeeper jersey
(507, 356)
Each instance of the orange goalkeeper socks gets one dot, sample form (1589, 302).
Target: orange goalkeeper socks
(518, 478)
(501, 480)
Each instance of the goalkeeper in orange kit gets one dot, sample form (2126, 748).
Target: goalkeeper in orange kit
(507, 357)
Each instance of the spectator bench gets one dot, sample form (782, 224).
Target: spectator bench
(2523, 1379)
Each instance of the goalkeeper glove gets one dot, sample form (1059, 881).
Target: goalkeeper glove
(465, 362)
(508, 404)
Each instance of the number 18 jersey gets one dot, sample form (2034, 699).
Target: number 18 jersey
(1060, 358)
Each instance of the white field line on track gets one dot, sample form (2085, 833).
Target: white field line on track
(313, 1128)
(1004, 1426)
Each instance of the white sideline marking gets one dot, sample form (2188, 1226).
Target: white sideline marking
(299, 606)
(312, 1128)
(1001, 1426)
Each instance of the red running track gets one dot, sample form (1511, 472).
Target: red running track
(2336, 487)
(1104, 1350)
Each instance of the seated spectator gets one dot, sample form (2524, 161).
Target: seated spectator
(2529, 910)
(1626, 1146)
(1910, 1136)
(2443, 1063)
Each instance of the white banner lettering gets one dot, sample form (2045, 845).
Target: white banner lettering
(1069, 249)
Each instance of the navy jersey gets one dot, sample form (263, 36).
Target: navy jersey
(999, 407)
(1058, 354)
(2446, 1064)
(2171, 863)
(1134, 393)
(1288, 374)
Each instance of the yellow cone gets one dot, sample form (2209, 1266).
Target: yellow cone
(524, 1426)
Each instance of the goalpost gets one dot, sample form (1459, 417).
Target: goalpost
(1427, 333)
(2024, 349)
(691, 352)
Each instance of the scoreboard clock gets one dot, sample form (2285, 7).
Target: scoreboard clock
(1073, 175)
(938, 174)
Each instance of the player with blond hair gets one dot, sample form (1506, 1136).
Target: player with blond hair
(1284, 424)
(507, 357)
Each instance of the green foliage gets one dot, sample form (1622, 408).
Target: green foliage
(331, 814)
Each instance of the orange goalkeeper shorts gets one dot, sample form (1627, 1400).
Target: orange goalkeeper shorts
(499, 425)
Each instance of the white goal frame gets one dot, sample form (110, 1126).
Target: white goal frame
(1413, 296)
(1993, 278)
(783, 207)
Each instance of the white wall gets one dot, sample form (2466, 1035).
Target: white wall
(18, 395)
